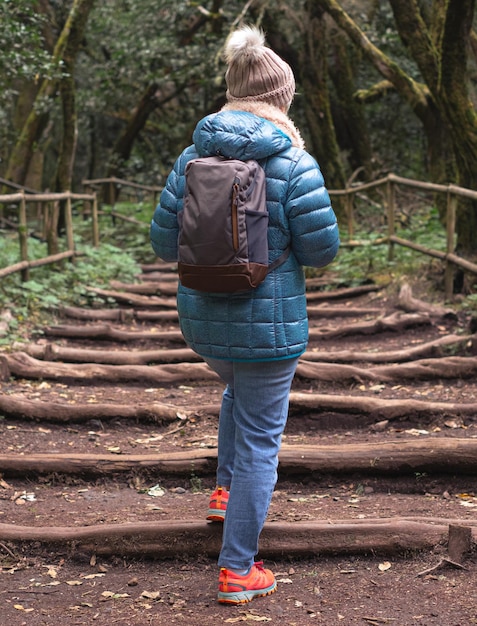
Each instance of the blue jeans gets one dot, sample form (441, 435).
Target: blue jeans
(252, 419)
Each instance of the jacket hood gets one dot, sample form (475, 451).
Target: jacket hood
(240, 135)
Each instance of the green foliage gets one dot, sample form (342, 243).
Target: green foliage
(195, 483)
(24, 63)
(470, 302)
(34, 302)
(23, 55)
(361, 264)
(130, 236)
(133, 45)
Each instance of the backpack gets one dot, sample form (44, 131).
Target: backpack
(223, 243)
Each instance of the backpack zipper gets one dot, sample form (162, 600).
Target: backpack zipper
(235, 237)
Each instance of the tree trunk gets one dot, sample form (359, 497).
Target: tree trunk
(459, 110)
(314, 78)
(66, 47)
(122, 150)
(440, 51)
(442, 104)
(348, 115)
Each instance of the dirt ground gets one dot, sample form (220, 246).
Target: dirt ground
(43, 584)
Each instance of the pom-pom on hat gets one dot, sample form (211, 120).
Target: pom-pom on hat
(255, 73)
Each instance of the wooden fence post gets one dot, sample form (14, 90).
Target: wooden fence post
(450, 235)
(390, 201)
(69, 225)
(349, 208)
(52, 228)
(94, 215)
(23, 236)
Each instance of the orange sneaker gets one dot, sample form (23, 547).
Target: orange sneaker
(218, 505)
(236, 589)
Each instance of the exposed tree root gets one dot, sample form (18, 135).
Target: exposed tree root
(119, 315)
(16, 406)
(160, 266)
(156, 288)
(337, 294)
(403, 457)
(380, 408)
(321, 311)
(425, 369)
(134, 299)
(108, 333)
(21, 365)
(54, 352)
(173, 538)
(435, 349)
(396, 322)
(409, 303)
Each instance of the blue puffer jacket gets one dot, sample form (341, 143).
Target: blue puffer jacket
(269, 322)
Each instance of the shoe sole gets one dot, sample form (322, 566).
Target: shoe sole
(242, 597)
(215, 515)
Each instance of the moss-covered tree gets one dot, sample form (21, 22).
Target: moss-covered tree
(66, 48)
(438, 41)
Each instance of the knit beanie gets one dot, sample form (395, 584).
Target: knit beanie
(255, 73)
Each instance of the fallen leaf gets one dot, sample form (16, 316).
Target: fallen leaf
(51, 572)
(111, 594)
(377, 388)
(20, 607)
(416, 432)
(73, 583)
(114, 449)
(150, 439)
(151, 595)
(248, 617)
(453, 424)
(156, 491)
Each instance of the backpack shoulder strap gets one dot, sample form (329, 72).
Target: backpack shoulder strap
(281, 259)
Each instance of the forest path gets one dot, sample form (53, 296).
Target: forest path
(109, 447)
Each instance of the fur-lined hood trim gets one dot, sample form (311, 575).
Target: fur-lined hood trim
(272, 114)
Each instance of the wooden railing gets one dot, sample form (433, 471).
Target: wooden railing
(50, 223)
(452, 193)
(111, 188)
(389, 183)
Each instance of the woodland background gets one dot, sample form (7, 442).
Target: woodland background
(101, 88)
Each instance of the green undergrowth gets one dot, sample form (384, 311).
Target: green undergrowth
(377, 263)
(124, 246)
